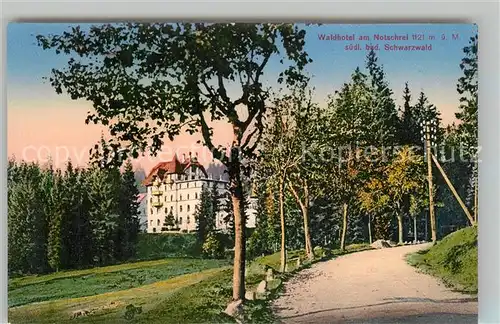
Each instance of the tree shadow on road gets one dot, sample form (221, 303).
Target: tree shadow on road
(395, 300)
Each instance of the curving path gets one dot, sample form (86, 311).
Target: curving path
(375, 286)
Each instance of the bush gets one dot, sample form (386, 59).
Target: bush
(213, 247)
(165, 245)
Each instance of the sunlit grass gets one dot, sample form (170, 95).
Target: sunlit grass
(110, 307)
(199, 297)
(453, 259)
(96, 281)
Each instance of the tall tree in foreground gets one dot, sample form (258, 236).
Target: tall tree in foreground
(468, 114)
(151, 81)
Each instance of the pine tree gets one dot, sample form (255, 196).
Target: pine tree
(78, 234)
(54, 244)
(383, 112)
(468, 129)
(410, 128)
(467, 87)
(169, 222)
(204, 214)
(128, 223)
(104, 214)
(27, 224)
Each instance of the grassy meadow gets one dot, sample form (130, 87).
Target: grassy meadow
(453, 260)
(172, 290)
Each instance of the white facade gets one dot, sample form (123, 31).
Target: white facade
(181, 193)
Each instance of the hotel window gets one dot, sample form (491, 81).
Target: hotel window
(154, 229)
(180, 209)
(178, 177)
(188, 208)
(151, 223)
(166, 211)
(187, 185)
(151, 211)
(192, 176)
(180, 220)
(158, 222)
(188, 197)
(188, 220)
(165, 198)
(180, 197)
(171, 197)
(196, 195)
(171, 208)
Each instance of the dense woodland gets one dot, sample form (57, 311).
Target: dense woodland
(69, 219)
(332, 196)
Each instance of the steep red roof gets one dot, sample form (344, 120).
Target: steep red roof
(171, 167)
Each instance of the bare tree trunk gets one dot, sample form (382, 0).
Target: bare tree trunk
(344, 228)
(307, 230)
(307, 234)
(282, 219)
(239, 232)
(370, 229)
(415, 228)
(304, 208)
(400, 228)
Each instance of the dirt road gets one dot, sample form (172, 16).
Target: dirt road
(375, 286)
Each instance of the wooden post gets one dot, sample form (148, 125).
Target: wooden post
(429, 180)
(448, 182)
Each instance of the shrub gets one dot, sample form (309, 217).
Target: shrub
(213, 247)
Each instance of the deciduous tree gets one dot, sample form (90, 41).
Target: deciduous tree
(148, 82)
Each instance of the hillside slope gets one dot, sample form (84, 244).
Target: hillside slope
(453, 259)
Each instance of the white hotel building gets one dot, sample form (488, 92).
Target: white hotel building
(176, 186)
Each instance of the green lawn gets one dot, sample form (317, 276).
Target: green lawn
(153, 299)
(453, 259)
(198, 296)
(88, 282)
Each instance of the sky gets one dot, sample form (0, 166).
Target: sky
(42, 123)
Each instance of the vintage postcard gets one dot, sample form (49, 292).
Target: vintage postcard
(242, 173)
